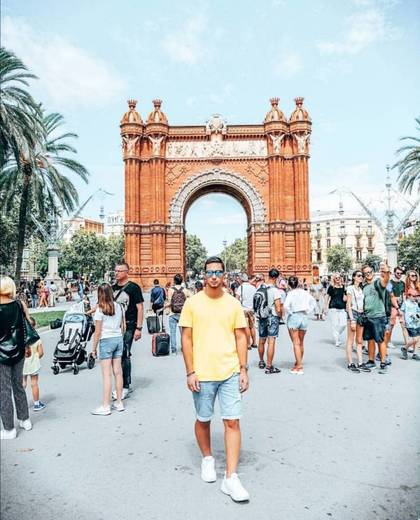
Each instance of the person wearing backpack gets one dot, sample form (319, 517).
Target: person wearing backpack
(267, 308)
(377, 308)
(176, 299)
(157, 297)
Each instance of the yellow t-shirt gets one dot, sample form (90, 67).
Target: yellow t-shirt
(213, 322)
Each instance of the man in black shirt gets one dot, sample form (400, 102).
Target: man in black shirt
(130, 296)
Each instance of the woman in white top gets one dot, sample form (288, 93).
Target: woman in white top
(299, 303)
(109, 330)
(355, 308)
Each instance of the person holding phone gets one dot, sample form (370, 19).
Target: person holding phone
(215, 350)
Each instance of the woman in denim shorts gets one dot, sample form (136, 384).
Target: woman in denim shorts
(299, 303)
(355, 314)
(109, 331)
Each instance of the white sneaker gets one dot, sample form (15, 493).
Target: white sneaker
(26, 425)
(208, 469)
(125, 393)
(391, 345)
(7, 435)
(118, 406)
(232, 486)
(101, 410)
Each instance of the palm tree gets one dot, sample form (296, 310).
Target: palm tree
(37, 179)
(409, 165)
(20, 117)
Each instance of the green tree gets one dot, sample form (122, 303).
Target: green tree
(236, 255)
(196, 253)
(114, 251)
(91, 255)
(37, 173)
(409, 251)
(373, 261)
(409, 165)
(338, 259)
(84, 255)
(20, 117)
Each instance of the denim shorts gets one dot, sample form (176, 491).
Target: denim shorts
(228, 393)
(111, 348)
(413, 333)
(297, 321)
(375, 329)
(269, 326)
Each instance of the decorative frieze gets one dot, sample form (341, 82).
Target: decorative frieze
(218, 149)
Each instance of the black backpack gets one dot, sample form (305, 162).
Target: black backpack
(177, 300)
(260, 303)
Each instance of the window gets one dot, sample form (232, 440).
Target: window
(343, 241)
(319, 256)
(328, 231)
(358, 255)
(318, 242)
(328, 242)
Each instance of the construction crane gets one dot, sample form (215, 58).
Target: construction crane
(389, 231)
(53, 237)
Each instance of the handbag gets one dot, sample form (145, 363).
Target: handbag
(11, 351)
(29, 333)
(361, 320)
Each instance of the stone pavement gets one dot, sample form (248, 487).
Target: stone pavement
(330, 444)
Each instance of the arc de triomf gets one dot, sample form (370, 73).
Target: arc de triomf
(264, 166)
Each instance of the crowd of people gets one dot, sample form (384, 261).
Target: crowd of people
(220, 318)
(42, 293)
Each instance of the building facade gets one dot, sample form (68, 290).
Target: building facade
(77, 223)
(357, 232)
(264, 166)
(114, 223)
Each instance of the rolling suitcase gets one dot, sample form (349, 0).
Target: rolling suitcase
(160, 342)
(153, 325)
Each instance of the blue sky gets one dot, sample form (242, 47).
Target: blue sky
(354, 61)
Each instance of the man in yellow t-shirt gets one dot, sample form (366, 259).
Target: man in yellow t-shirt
(215, 350)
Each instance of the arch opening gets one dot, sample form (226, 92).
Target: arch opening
(218, 218)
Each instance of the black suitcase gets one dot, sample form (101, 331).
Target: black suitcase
(160, 343)
(153, 325)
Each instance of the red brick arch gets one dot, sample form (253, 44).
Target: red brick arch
(265, 167)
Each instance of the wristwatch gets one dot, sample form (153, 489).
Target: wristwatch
(139, 328)
(244, 367)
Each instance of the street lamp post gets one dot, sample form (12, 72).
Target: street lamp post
(224, 252)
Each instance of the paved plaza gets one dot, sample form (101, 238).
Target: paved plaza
(330, 444)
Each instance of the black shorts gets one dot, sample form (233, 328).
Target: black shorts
(374, 328)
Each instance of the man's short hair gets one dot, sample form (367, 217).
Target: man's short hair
(273, 273)
(156, 281)
(398, 268)
(214, 260)
(366, 266)
(124, 263)
(178, 279)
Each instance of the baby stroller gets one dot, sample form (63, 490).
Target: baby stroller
(76, 331)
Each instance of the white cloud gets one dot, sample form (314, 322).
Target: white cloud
(187, 45)
(363, 29)
(289, 63)
(67, 73)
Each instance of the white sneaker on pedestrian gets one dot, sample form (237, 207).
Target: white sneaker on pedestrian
(101, 410)
(26, 425)
(7, 435)
(118, 406)
(208, 469)
(391, 345)
(232, 486)
(125, 393)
